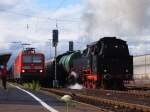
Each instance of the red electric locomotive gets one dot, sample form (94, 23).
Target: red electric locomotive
(29, 65)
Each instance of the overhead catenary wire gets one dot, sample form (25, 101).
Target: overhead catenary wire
(39, 42)
(72, 20)
(43, 18)
(60, 5)
(29, 15)
(32, 16)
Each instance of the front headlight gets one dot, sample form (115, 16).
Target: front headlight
(127, 70)
(23, 71)
(105, 70)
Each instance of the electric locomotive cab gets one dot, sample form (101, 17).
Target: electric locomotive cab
(32, 64)
(29, 65)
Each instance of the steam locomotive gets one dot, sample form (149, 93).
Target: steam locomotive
(105, 63)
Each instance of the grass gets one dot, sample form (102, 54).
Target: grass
(34, 85)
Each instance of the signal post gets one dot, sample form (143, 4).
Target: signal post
(55, 42)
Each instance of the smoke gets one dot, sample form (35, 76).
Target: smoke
(75, 84)
(74, 74)
(123, 18)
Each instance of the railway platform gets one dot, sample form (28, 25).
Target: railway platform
(16, 99)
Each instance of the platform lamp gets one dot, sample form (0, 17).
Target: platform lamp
(67, 99)
(55, 42)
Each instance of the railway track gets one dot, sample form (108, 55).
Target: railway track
(124, 96)
(145, 87)
(113, 101)
(137, 93)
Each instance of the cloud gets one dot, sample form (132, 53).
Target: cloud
(7, 4)
(83, 23)
(127, 19)
(16, 15)
(113, 17)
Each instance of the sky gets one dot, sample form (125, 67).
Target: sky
(83, 21)
(32, 22)
(55, 4)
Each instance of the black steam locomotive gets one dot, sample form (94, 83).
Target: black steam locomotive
(109, 64)
(103, 64)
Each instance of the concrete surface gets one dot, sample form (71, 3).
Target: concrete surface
(15, 100)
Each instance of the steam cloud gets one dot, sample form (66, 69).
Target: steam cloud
(123, 18)
(76, 86)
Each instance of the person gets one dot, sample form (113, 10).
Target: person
(4, 75)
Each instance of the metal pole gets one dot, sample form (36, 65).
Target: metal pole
(145, 65)
(55, 63)
(67, 107)
(55, 83)
(50, 48)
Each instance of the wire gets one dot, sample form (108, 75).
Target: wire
(45, 18)
(60, 5)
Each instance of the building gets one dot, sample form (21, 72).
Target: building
(142, 68)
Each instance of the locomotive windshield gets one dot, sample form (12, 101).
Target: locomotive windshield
(32, 59)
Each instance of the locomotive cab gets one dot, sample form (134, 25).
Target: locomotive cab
(110, 60)
(114, 48)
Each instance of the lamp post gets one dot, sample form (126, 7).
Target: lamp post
(67, 99)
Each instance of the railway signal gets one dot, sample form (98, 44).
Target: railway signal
(55, 37)
(55, 42)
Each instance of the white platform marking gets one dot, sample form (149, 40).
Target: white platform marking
(37, 99)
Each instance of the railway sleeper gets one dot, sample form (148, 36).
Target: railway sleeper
(91, 99)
